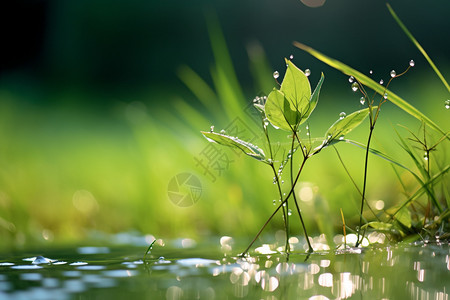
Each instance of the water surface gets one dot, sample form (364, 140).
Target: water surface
(184, 269)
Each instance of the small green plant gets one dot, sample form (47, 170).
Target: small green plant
(433, 220)
(287, 109)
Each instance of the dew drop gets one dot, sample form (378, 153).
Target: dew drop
(342, 115)
(385, 96)
(362, 100)
(274, 202)
(351, 79)
(307, 72)
(447, 104)
(212, 128)
(276, 74)
(355, 86)
(381, 81)
(412, 63)
(371, 72)
(393, 73)
(291, 57)
(425, 156)
(290, 212)
(222, 131)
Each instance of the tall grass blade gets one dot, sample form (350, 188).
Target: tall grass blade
(416, 43)
(436, 178)
(224, 76)
(363, 79)
(198, 87)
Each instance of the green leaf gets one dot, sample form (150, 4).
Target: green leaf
(293, 103)
(278, 111)
(381, 226)
(296, 87)
(234, 142)
(346, 124)
(313, 101)
(363, 79)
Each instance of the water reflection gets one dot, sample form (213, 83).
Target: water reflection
(377, 272)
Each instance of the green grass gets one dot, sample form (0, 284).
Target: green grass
(66, 170)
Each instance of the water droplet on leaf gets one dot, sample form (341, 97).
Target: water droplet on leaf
(362, 100)
(447, 104)
(212, 128)
(351, 79)
(385, 96)
(393, 73)
(222, 131)
(276, 74)
(355, 86)
(342, 115)
(307, 72)
(381, 81)
(412, 63)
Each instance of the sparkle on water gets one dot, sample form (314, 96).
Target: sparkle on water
(212, 270)
(291, 57)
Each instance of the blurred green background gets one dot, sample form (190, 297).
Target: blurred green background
(101, 104)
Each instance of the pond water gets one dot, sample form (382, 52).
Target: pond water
(184, 269)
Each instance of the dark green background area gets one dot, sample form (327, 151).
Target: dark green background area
(129, 46)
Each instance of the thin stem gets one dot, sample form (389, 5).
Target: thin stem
(364, 184)
(276, 210)
(266, 133)
(310, 249)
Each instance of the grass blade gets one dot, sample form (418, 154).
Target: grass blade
(363, 79)
(416, 43)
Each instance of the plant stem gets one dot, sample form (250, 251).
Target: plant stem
(363, 196)
(276, 210)
(286, 224)
(310, 249)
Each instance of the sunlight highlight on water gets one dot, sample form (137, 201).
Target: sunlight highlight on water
(376, 272)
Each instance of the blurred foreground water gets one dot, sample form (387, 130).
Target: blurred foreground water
(186, 269)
